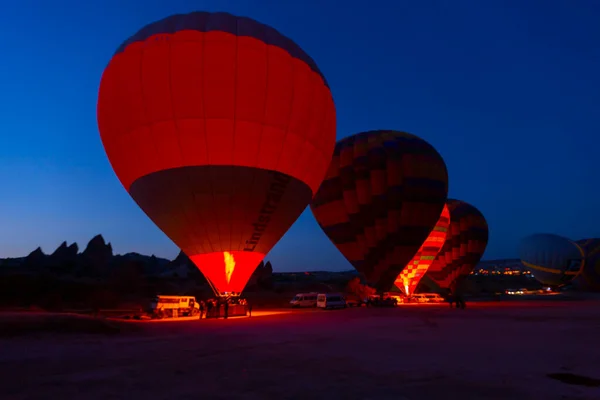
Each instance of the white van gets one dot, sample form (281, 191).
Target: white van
(174, 306)
(331, 300)
(434, 298)
(304, 300)
(427, 298)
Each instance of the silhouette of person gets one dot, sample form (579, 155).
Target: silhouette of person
(209, 307)
(249, 309)
(201, 309)
(460, 302)
(225, 309)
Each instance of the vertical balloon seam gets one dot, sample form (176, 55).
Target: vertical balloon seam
(246, 212)
(322, 127)
(353, 147)
(373, 221)
(340, 146)
(362, 229)
(260, 137)
(387, 272)
(289, 119)
(175, 123)
(377, 268)
(145, 113)
(235, 97)
(203, 83)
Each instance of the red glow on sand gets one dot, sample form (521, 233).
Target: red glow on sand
(228, 271)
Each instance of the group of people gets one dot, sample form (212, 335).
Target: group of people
(212, 307)
(455, 297)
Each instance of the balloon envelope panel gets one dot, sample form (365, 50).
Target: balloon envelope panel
(382, 195)
(589, 277)
(410, 276)
(465, 244)
(221, 129)
(552, 259)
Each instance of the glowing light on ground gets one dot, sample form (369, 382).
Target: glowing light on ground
(258, 314)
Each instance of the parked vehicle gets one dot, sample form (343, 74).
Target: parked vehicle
(304, 300)
(376, 300)
(427, 298)
(331, 300)
(354, 301)
(399, 297)
(174, 306)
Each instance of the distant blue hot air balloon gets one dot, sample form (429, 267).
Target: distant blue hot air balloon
(552, 259)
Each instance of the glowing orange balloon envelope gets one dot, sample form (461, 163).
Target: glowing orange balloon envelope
(413, 272)
(465, 244)
(221, 129)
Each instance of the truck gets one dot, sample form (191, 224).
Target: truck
(174, 306)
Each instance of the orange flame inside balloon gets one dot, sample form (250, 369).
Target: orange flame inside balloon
(227, 271)
(229, 265)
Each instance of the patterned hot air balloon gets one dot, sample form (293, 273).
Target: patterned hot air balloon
(588, 278)
(382, 196)
(552, 259)
(465, 244)
(411, 274)
(221, 129)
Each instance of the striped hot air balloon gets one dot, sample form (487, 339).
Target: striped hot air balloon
(552, 259)
(465, 244)
(382, 195)
(413, 272)
(588, 278)
(221, 129)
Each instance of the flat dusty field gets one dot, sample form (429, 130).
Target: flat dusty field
(488, 351)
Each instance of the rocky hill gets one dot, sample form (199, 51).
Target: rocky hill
(97, 278)
(98, 262)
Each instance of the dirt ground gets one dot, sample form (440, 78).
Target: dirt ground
(488, 351)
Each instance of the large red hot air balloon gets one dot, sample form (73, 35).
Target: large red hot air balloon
(383, 194)
(221, 129)
(417, 267)
(465, 244)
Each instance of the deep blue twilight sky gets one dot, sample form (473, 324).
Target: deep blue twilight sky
(507, 91)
